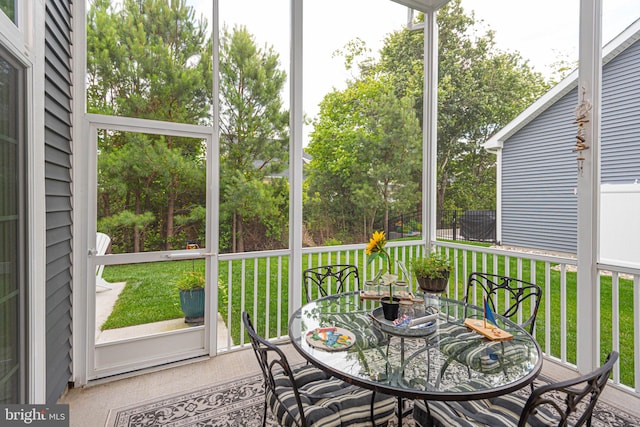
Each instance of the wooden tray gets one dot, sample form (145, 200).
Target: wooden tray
(374, 295)
(491, 332)
(318, 338)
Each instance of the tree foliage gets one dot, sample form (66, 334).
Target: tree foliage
(254, 143)
(148, 59)
(480, 89)
(364, 148)
(152, 59)
(366, 145)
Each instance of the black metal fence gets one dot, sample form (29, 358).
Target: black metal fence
(468, 225)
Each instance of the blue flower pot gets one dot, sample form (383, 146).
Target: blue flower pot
(192, 304)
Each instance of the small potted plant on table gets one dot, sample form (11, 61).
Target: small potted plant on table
(375, 249)
(191, 286)
(432, 272)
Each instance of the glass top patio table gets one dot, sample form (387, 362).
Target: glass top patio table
(449, 362)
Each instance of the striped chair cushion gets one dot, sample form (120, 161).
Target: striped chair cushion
(326, 401)
(492, 357)
(441, 410)
(366, 335)
(461, 344)
(495, 412)
(450, 330)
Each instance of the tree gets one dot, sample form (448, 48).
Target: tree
(148, 59)
(254, 138)
(364, 148)
(151, 59)
(480, 89)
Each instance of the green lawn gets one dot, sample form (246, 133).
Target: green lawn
(150, 295)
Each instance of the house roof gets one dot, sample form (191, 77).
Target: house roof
(625, 39)
(306, 159)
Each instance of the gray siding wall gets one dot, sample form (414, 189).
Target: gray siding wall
(539, 170)
(58, 194)
(538, 181)
(621, 118)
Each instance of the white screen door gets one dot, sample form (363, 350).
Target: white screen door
(153, 214)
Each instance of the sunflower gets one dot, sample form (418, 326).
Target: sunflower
(376, 243)
(376, 248)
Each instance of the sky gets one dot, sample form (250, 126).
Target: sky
(543, 31)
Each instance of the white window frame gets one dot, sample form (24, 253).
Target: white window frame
(24, 40)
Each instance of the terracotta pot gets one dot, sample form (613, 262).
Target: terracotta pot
(434, 285)
(390, 308)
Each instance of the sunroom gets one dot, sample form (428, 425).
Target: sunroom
(181, 168)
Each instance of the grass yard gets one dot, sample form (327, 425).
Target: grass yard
(150, 296)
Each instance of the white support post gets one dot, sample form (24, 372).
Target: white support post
(499, 196)
(83, 331)
(213, 194)
(33, 23)
(295, 159)
(589, 94)
(430, 129)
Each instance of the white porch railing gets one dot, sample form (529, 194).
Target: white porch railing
(265, 295)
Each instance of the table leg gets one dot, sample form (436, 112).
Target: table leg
(400, 411)
(402, 356)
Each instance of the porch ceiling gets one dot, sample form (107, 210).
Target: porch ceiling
(423, 5)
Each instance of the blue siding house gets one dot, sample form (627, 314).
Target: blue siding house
(537, 169)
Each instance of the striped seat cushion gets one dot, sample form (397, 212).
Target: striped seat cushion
(495, 412)
(458, 343)
(451, 330)
(360, 324)
(326, 401)
(488, 357)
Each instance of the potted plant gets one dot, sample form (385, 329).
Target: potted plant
(432, 272)
(375, 249)
(191, 286)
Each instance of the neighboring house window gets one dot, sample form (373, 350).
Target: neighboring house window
(12, 239)
(9, 8)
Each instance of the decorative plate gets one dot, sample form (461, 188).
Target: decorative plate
(331, 338)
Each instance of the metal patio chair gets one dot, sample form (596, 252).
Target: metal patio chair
(306, 396)
(322, 276)
(517, 291)
(506, 296)
(564, 403)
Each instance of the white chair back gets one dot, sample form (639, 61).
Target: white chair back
(102, 244)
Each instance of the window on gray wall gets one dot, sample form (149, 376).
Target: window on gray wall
(11, 233)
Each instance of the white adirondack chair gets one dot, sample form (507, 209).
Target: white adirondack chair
(102, 244)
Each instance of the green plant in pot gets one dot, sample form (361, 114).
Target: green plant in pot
(191, 286)
(432, 271)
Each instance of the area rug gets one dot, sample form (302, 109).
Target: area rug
(241, 403)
